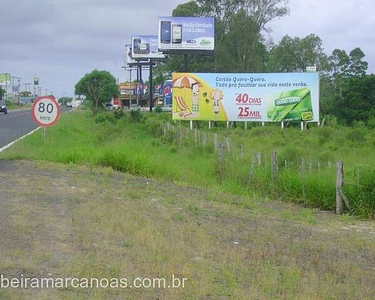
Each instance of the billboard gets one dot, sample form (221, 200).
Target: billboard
(5, 79)
(128, 55)
(167, 93)
(263, 97)
(186, 33)
(145, 47)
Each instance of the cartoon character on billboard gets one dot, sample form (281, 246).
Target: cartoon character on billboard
(217, 96)
(195, 98)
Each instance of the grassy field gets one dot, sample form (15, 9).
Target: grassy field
(139, 144)
(115, 196)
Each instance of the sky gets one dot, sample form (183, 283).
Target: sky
(60, 41)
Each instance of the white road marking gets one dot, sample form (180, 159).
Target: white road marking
(12, 143)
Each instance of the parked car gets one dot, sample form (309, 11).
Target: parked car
(108, 106)
(134, 107)
(3, 107)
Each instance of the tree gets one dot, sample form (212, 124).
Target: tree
(357, 67)
(65, 100)
(98, 87)
(295, 54)
(345, 66)
(358, 99)
(189, 9)
(262, 11)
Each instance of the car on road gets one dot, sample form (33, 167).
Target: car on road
(69, 104)
(3, 107)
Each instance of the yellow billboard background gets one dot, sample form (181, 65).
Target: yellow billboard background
(194, 99)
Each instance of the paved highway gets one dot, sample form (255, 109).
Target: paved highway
(16, 124)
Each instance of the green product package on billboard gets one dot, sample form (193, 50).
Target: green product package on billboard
(294, 105)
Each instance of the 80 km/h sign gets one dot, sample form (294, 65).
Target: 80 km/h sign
(45, 111)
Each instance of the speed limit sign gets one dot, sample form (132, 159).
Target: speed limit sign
(46, 111)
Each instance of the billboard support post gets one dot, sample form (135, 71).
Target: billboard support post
(140, 86)
(150, 85)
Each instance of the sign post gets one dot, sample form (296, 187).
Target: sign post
(45, 112)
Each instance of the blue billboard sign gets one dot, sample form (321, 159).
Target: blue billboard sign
(167, 93)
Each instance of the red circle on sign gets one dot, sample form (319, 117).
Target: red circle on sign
(55, 117)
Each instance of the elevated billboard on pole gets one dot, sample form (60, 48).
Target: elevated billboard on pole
(186, 33)
(144, 47)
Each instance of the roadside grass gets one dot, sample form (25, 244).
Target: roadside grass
(11, 105)
(136, 143)
(93, 222)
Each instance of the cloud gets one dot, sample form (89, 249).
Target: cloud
(340, 24)
(61, 40)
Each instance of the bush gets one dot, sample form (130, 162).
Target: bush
(103, 117)
(118, 114)
(158, 109)
(136, 115)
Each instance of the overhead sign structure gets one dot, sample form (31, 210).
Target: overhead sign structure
(5, 79)
(186, 33)
(145, 47)
(45, 111)
(263, 97)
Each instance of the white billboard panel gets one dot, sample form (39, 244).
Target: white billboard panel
(186, 33)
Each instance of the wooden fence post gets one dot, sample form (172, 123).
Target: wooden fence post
(339, 182)
(274, 165)
(303, 168)
(228, 144)
(221, 152)
(204, 139)
(215, 141)
(340, 197)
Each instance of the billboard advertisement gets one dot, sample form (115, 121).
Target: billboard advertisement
(167, 93)
(128, 55)
(262, 97)
(186, 33)
(145, 47)
(5, 79)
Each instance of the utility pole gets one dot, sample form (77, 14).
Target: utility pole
(130, 86)
(150, 86)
